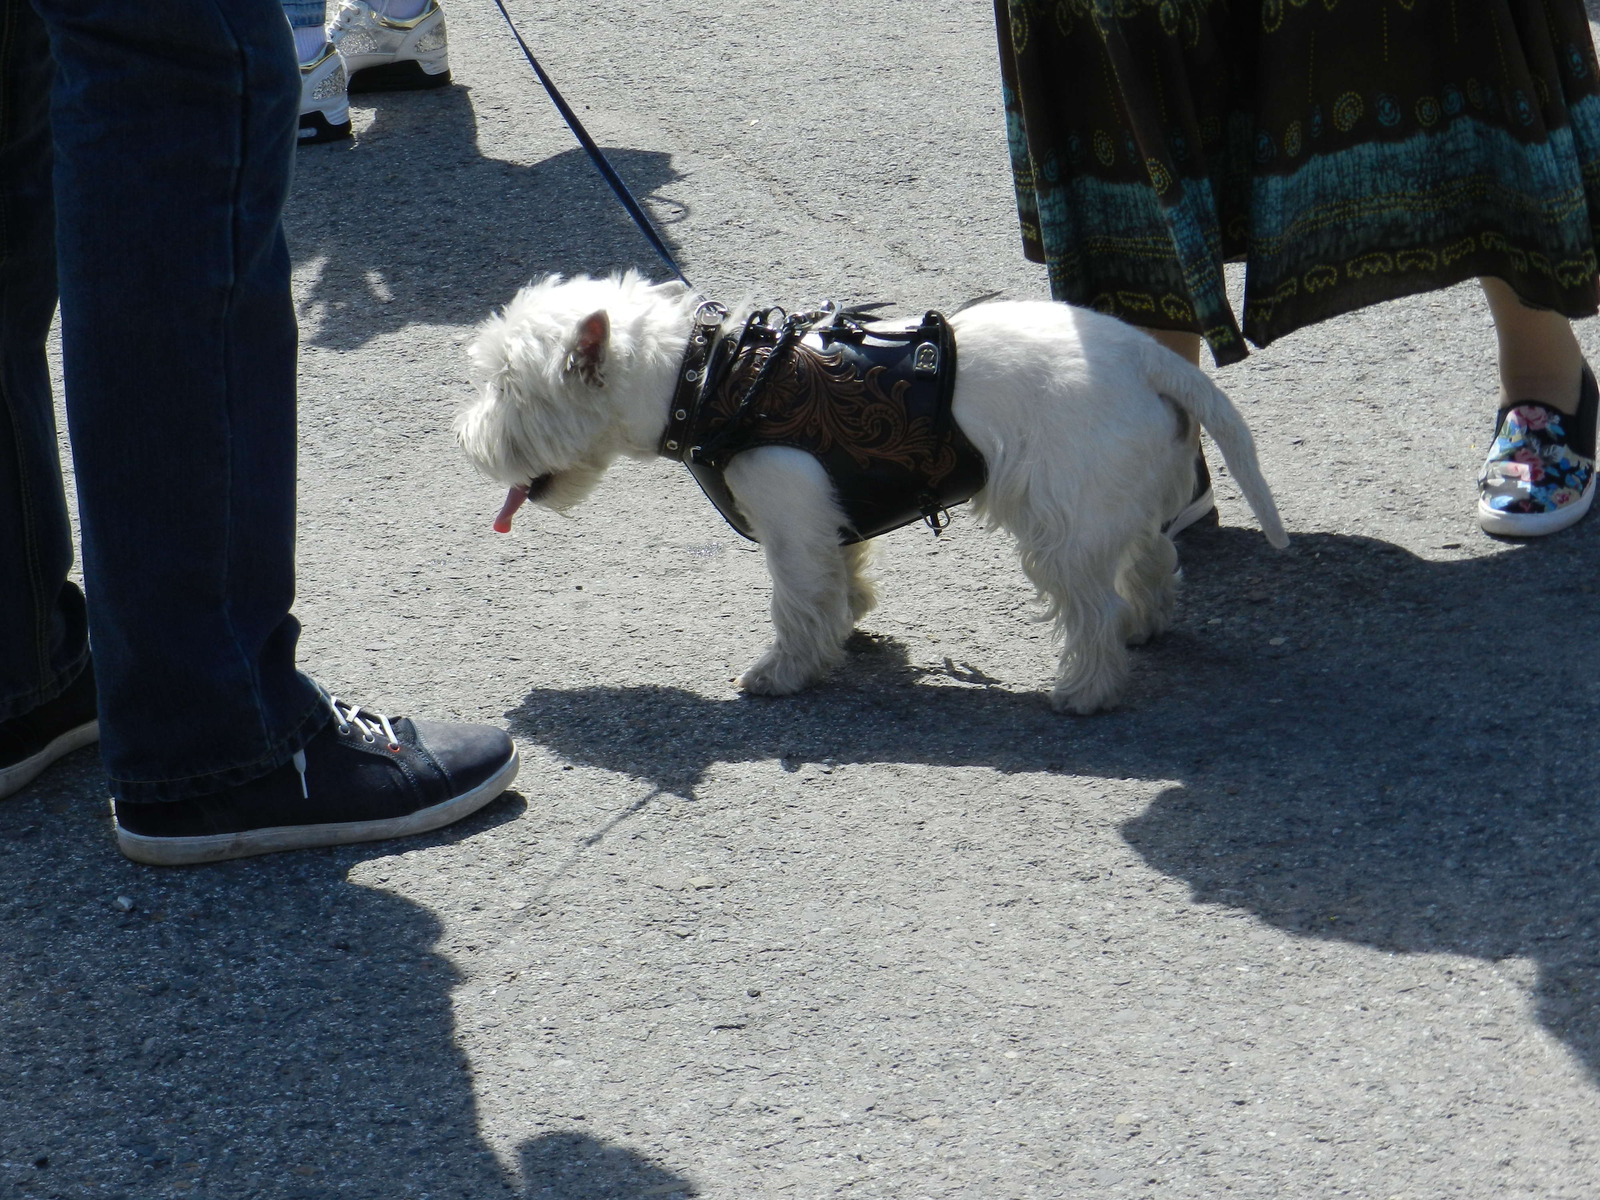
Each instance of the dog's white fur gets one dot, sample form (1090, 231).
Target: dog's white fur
(1079, 417)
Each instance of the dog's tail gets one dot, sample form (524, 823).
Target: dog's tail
(1192, 389)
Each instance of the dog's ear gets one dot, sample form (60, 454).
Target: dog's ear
(589, 351)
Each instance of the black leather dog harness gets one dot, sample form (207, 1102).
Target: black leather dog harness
(872, 405)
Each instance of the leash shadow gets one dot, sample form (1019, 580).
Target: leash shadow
(414, 224)
(1367, 746)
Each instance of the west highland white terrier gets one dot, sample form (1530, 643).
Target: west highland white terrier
(1084, 425)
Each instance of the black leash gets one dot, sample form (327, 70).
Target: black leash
(596, 156)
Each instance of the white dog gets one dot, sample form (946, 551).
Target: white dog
(1082, 420)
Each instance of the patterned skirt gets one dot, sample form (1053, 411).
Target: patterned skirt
(1348, 151)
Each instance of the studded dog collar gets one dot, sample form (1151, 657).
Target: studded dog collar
(705, 340)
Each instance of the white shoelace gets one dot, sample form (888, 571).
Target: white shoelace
(350, 717)
(349, 13)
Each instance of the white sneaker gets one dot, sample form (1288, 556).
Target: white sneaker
(385, 55)
(324, 107)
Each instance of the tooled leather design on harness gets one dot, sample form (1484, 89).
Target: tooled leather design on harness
(872, 405)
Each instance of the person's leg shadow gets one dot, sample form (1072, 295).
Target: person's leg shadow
(413, 225)
(264, 1028)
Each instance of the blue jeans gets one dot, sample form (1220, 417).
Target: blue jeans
(172, 129)
(305, 14)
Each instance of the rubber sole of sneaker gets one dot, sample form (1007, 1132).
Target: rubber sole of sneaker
(1190, 513)
(1528, 525)
(19, 775)
(193, 851)
(315, 128)
(407, 76)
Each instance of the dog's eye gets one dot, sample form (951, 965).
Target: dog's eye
(540, 486)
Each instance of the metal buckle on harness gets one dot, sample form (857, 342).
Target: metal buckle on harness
(935, 515)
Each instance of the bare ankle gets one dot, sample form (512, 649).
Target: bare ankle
(1185, 345)
(1540, 359)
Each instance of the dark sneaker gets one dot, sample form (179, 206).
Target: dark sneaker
(1540, 473)
(1201, 503)
(31, 742)
(364, 777)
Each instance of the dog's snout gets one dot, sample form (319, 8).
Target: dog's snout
(540, 486)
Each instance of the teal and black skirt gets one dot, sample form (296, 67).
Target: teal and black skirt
(1348, 151)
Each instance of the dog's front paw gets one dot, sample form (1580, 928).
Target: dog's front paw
(775, 674)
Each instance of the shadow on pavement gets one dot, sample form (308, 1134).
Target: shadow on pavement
(411, 224)
(1367, 746)
(263, 1029)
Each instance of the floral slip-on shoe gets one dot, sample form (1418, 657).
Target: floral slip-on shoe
(1539, 476)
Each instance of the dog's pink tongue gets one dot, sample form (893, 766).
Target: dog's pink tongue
(514, 499)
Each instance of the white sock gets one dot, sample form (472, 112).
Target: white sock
(308, 43)
(398, 10)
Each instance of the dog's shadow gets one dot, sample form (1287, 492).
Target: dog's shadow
(1370, 747)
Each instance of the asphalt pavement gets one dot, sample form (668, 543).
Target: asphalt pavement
(1314, 914)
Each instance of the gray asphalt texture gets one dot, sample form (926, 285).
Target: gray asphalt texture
(1313, 915)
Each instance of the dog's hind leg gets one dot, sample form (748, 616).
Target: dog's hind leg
(1148, 581)
(1078, 585)
(862, 592)
(789, 501)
